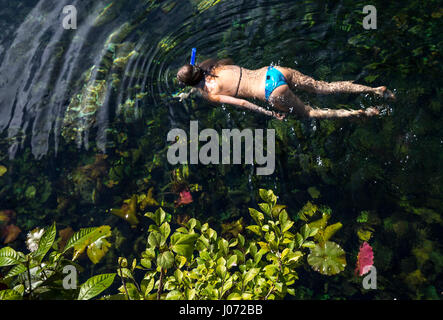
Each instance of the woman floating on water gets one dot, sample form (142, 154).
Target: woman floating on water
(223, 82)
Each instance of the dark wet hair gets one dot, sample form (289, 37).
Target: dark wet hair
(192, 75)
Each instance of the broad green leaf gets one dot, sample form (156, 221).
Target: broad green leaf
(313, 191)
(285, 223)
(158, 217)
(305, 231)
(266, 208)
(254, 228)
(257, 216)
(234, 296)
(155, 239)
(221, 271)
(320, 223)
(10, 294)
(331, 230)
(45, 242)
(165, 230)
(250, 275)
(149, 287)
(309, 244)
(3, 170)
(294, 256)
(232, 261)
(223, 245)
(95, 285)
(270, 270)
(268, 196)
(174, 295)
(241, 240)
(165, 260)
(328, 258)
(83, 238)
(16, 270)
(97, 250)
(183, 244)
(10, 257)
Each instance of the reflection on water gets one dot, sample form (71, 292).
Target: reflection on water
(107, 87)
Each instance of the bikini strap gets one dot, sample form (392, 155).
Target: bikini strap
(239, 80)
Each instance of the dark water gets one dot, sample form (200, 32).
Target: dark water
(67, 96)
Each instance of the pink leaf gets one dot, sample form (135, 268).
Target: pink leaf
(185, 198)
(365, 259)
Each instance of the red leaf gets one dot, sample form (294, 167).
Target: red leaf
(365, 259)
(185, 198)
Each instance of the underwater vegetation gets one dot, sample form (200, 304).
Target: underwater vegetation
(344, 183)
(190, 262)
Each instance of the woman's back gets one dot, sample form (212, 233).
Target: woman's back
(226, 80)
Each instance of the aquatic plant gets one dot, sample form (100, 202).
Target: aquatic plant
(195, 263)
(185, 198)
(3, 170)
(365, 259)
(37, 275)
(327, 258)
(128, 211)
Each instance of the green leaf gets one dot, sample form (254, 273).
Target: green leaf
(183, 244)
(45, 243)
(223, 245)
(267, 196)
(16, 270)
(97, 250)
(305, 231)
(254, 228)
(257, 216)
(3, 170)
(331, 230)
(149, 287)
(314, 193)
(155, 239)
(174, 295)
(165, 260)
(232, 261)
(328, 258)
(165, 230)
(221, 271)
(10, 294)
(285, 223)
(250, 275)
(10, 257)
(266, 208)
(234, 296)
(83, 238)
(95, 285)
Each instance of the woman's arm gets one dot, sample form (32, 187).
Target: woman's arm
(244, 104)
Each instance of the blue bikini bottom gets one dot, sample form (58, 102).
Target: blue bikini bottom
(274, 79)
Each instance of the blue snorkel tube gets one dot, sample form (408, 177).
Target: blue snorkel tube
(194, 52)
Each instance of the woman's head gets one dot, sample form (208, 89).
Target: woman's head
(190, 75)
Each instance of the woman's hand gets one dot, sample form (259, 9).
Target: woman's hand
(279, 116)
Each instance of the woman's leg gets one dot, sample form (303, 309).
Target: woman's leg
(303, 82)
(285, 100)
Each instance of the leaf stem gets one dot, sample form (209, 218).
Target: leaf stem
(123, 281)
(160, 285)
